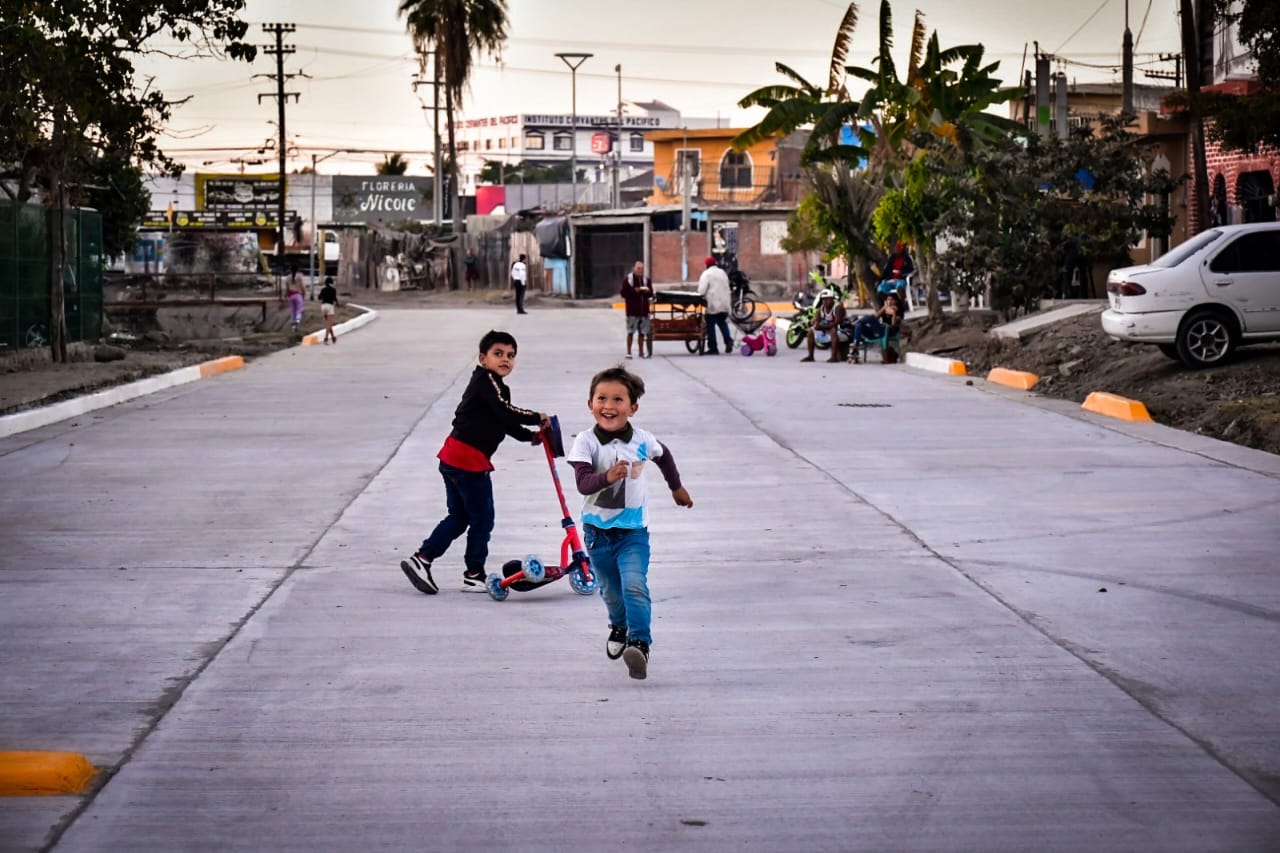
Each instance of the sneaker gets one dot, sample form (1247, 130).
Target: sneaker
(418, 570)
(473, 580)
(636, 657)
(617, 641)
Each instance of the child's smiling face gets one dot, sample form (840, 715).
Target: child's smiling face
(611, 405)
(499, 358)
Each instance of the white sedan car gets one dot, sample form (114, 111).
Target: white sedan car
(1210, 294)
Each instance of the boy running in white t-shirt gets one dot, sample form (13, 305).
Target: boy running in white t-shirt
(608, 461)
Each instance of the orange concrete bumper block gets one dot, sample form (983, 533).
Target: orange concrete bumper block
(34, 774)
(1013, 378)
(1116, 406)
(221, 365)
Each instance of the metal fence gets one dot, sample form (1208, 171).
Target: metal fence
(24, 275)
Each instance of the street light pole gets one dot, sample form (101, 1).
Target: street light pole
(573, 60)
(315, 232)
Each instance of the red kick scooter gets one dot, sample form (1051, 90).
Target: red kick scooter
(531, 573)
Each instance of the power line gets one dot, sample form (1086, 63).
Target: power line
(1082, 26)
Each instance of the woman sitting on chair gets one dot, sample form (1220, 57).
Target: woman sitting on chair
(873, 326)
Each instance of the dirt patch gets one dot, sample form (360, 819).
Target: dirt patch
(1237, 402)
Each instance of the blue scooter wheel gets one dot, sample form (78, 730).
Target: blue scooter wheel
(493, 584)
(580, 584)
(533, 569)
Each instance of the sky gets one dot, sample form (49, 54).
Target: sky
(699, 56)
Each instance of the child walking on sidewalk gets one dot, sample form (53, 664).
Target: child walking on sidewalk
(483, 418)
(608, 462)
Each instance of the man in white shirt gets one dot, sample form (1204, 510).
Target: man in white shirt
(713, 287)
(519, 273)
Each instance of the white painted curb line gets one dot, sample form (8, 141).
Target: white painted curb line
(935, 363)
(36, 418)
(45, 415)
(354, 323)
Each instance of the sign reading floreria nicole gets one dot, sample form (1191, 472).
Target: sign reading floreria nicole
(389, 198)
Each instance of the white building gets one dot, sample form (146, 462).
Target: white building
(549, 138)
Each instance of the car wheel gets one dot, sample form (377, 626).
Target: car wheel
(1205, 338)
(1170, 350)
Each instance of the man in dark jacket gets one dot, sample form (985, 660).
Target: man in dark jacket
(637, 291)
(484, 417)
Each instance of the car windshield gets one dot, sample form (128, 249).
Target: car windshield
(1180, 253)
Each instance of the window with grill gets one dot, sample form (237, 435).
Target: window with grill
(637, 142)
(563, 142)
(534, 141)
(735, 170)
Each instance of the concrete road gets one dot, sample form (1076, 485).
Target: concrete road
(905, 613)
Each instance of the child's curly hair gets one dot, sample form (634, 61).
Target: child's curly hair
(634, 384)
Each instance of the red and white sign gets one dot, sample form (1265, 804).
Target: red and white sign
(601, 143)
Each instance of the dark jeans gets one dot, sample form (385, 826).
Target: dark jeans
(718, 321)
(469, 499)
(519, 297)
(867, 328)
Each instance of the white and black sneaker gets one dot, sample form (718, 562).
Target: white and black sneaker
(418, 570)
(636, 657)
(473, 580)
(617, 641)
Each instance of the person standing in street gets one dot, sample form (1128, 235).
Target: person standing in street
(637, 290)
(713, 287)
(329, 307)
(471, 267)
(519, 274)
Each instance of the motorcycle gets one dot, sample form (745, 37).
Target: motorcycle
(806, 306)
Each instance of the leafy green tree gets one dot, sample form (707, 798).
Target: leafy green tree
(73, 117)
(393, 164)
(1005, 214)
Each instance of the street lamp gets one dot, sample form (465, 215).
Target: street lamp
(315, 232)
(573, 60)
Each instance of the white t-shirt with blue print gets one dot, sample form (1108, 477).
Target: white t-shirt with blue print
(623, 504)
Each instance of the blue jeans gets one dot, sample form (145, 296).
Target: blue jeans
(469, 499)
(620, 560)
(867, 328)
(718, 321)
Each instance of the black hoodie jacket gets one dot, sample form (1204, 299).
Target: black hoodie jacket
(485, 415)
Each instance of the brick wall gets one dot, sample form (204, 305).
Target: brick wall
(1230, 164)
(664, 256)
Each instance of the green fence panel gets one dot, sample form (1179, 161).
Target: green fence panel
(24, 275)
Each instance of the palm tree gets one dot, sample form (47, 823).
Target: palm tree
(393, 164)
(453, 31)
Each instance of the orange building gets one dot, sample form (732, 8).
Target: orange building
(766, 172)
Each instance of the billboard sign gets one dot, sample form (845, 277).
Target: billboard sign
(237, 192)
(385, 198)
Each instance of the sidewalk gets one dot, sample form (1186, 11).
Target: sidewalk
(905, 613)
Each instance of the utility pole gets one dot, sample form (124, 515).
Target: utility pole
(1126, 66)
(437, 188)
(617, 151)
(279, 51)
(685, 180)
(1175, 75)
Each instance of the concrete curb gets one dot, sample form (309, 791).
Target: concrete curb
(1115, 406)
(45, 415)
(1019, 379)
(33, 774)
(354, 323)
(934, 363)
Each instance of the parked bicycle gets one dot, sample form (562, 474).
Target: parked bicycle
(742, 302)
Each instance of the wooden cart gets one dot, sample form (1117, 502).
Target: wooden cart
(677, 315)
